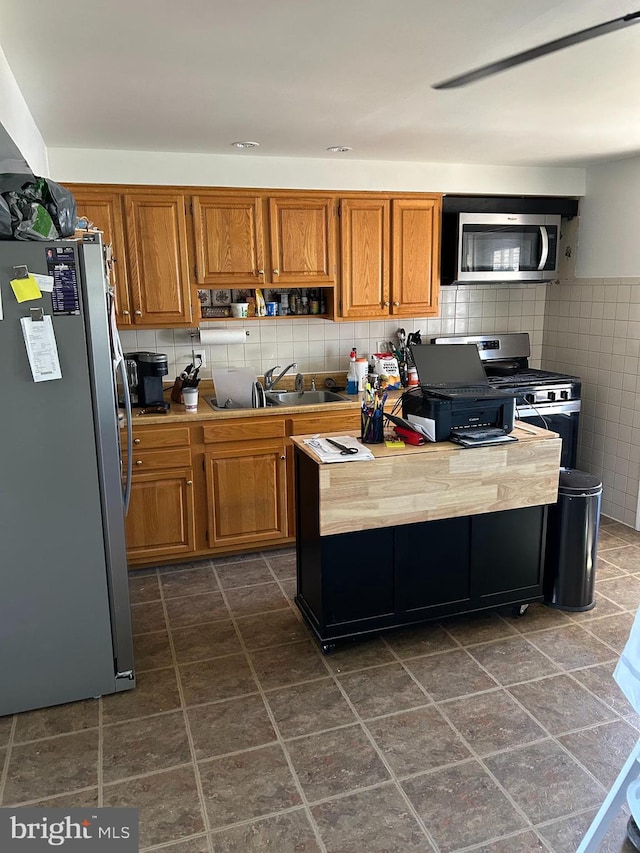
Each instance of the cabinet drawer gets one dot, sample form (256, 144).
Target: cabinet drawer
(150, 460)
(244, 429)
(150, 439)
(325, 422)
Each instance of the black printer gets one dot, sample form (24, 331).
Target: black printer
(454, 392)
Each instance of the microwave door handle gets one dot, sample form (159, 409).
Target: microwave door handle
(545, 247)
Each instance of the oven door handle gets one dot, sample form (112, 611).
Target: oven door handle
(545, 247)
(528, 411)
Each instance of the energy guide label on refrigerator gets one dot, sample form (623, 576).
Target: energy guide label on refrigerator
(61, 264)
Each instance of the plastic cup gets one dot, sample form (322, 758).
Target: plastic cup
(272, 309)
(190, 399)
(239, 309)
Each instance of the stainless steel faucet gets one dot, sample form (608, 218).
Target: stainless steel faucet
(269, 382)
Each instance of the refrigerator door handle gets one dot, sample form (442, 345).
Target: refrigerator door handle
(127, 407)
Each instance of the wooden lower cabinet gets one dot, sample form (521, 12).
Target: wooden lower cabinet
(160, 522)
(247, 493)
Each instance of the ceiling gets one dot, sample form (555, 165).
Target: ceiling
(300, 75)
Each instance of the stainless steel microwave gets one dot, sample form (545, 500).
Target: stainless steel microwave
(501, 247)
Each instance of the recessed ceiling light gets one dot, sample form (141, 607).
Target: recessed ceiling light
(339, 149)
(245, 144)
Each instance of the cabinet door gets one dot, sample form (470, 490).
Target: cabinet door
(302, 241)
(160, 521)
(247, 493)
(158, 265)
(105, 211)
(229, 241)
(416, 241)
(364, 240)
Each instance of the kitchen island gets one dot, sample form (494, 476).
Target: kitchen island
(421, 532)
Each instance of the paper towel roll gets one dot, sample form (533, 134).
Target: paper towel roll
(219, 337)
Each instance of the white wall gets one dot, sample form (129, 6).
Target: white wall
(18, 121)
(243, 170)
(609, 233)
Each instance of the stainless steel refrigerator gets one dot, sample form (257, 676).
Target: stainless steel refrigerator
(65, 621)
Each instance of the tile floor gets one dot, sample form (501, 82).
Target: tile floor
(487, 733)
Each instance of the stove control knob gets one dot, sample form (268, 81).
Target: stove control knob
(552, 395)
(530, 398)
(564, 395)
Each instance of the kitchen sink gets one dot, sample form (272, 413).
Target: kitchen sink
(302, 398)
(214, 405)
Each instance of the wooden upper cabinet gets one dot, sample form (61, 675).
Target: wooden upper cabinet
(415, 271)
(302, 240)
(158, 260)
(364, 241)
(229, 240)
(104, 209)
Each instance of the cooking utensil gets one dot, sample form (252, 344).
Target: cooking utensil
(344, 451)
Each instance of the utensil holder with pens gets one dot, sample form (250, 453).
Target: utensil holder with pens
(371, 426)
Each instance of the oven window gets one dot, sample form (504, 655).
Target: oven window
(501, 248)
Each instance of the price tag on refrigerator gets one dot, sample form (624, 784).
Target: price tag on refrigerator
(42, 349)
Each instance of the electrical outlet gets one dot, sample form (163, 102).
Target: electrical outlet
(183, 357)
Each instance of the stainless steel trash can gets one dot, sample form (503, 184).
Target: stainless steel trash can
(572, 539)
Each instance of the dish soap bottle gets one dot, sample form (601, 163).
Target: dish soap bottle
(352, 374)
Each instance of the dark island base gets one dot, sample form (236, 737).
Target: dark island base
(353, 584)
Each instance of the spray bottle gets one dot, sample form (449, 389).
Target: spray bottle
(352, 374)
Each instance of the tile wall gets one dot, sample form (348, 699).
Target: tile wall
(592, 329)
(321, 345)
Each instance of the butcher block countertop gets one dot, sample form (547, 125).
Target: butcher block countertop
(437, 480)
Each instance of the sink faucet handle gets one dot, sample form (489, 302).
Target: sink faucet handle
(313, 383)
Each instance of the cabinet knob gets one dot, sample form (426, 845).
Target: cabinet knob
(260, 272)
(189, 482)
(137, 440)
(138, 313)
(283, 457)
(396, 304)
(125, 313)
(386, 304)
(276, 272)
(138, 461)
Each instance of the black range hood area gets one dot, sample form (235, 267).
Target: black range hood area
(565, 207)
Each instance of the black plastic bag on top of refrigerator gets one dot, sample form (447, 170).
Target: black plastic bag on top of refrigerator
(40, 210)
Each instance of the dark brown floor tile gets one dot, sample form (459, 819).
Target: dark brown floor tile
(309, 707)
(462, 805)
(336, 762)
(417, 740)
(565, 835)
(599, 680)
(513, 660)
(560, 705)
(449, 675)
(200, 642)
(248, 600)
(152, 651)
(168, 802)
(624, 590)
(571, 647)
(608, 540)
(290, 832)
(147, 617)
(58, 720)
(233, 559)
(359, 655)
(5, 729)
(155, 691)
(626, 557)
(43, 768)
(603, 607)
(143, 746)
(382, 690)
(419, 640)
(229, 726)
(283, 565)
(289, 664)
(193, 845)
(244, 573)
(193, 581)
(143, 586)
(603, 750)
(196, 609)
(376, 821)
(75, 800)
(247, 785)
(272, 629)
(537, 617)
(523, 842)
(492, 721)
(478, 628)
(3, 758)
(289, 587)
(606, 571)
(544, 781)
(613, 630)
(212, 680)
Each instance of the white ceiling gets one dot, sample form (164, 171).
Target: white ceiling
(300, 75)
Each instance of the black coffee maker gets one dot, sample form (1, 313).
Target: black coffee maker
(144, 374)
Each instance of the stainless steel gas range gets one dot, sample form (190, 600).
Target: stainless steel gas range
(544, 398)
